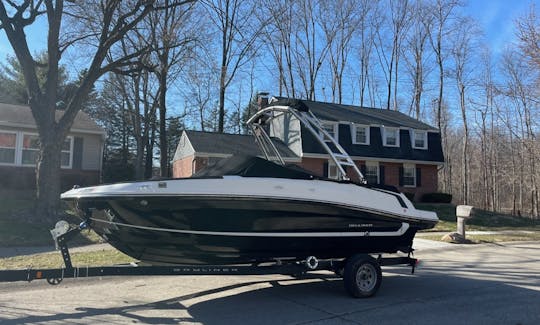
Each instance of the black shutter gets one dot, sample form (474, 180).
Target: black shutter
(77, 152)
(363, 170)
(400, 176)
(381, 174)
(325, 169)
(418, 177)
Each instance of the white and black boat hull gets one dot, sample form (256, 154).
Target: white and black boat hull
(234, 229)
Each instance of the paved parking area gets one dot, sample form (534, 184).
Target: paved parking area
(476, 284)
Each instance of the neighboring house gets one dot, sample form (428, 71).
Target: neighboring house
(82, 150)
(197, 149)
(389, 147)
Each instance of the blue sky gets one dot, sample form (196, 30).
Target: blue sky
(496, 19)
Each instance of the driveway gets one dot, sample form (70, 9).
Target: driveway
(475, 284)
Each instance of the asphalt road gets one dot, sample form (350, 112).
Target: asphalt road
(477, 284)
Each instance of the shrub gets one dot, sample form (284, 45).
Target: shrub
(437, 198)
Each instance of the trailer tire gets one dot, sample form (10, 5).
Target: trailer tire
(362, 276)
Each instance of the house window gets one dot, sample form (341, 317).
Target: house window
(332, 170)
(8, 142)
(67, 153)
(391, 137)
(331, 128)
(372, 172)
(30, 149)
(419, 139)
(360, 134)
(409, 175)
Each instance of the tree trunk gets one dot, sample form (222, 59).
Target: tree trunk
(163, 146)
(48, 177)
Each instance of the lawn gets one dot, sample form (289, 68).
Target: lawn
(19, 228)
(481, 220)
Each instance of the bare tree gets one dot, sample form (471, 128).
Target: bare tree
(310, 50)
(369, 22)
(171, 39)
(339, 22)
(415, 52)
(278, 33)
(462, 52)
(239, 31)
(111, 21)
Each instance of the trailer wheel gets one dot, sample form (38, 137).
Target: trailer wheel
(362, 276)
(54, 281)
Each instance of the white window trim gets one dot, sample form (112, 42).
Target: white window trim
(376, 165)
(385, 129)
(413, 166)
(16, 145)
(335, 125)
(413, 139)
(353, 133)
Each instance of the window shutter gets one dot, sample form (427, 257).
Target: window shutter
(381, 174)
(325, 169)
(77, 152)
(363, 170)
(418, 177)
(401, 176)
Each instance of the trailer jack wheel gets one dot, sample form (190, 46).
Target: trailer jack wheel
(54, 281)
(362, 276)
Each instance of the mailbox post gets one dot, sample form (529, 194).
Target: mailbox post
(463, 212)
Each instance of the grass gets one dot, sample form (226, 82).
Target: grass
(18, 228)
(54, 259)
(482, 220)
(495, 238)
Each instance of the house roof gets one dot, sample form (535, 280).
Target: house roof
(21, 116)
(356, 114)
(227, 144)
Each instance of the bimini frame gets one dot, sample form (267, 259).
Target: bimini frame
(339, 156)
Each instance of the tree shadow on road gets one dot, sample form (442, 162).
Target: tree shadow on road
(434, 295)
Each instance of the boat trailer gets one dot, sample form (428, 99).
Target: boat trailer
(361, 273)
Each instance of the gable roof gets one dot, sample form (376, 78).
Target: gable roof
(230, 144)
(356, 114)
(21, 116)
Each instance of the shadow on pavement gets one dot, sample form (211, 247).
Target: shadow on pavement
(435, 295)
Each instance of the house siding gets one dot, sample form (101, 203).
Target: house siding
(91, 153)
(187, 166)
(391, 175)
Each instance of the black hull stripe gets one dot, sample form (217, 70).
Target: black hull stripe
(399, 232)
(254, 197)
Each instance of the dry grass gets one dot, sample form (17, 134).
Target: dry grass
(54, 259)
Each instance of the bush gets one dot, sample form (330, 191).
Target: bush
(437, 198)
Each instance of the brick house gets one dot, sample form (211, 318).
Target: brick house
(389, 147)
(82, 151)
(197, 149)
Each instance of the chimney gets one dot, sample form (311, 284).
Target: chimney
(262, 99)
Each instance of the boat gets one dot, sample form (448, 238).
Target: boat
(250, 210)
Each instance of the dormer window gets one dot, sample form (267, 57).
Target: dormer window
(391, 137)
(360, 134)
(419, 139)
(332, 129)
